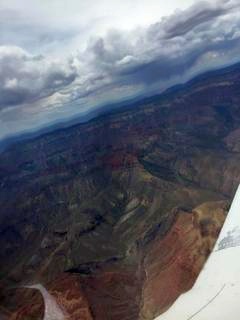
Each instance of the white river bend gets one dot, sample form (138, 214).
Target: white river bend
(52, 310)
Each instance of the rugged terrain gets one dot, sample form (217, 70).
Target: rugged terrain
(117, 216)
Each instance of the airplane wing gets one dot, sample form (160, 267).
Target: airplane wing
(216, 293)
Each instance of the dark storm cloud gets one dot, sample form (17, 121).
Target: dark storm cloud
(202, 12)
(183, 27)
(170, 48)
(120, 64)
(165, 66)
(25, 78)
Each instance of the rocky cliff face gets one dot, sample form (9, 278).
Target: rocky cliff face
(117, 216)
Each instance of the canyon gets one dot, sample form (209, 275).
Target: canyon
(117, 216)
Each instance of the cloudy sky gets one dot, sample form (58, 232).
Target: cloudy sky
(62, 58)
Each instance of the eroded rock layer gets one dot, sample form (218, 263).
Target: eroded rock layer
(117, 216)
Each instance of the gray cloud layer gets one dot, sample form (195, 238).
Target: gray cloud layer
(205, 34)
(118, 65)
(25, 78)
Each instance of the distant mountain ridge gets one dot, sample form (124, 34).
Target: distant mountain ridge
(115, 107)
